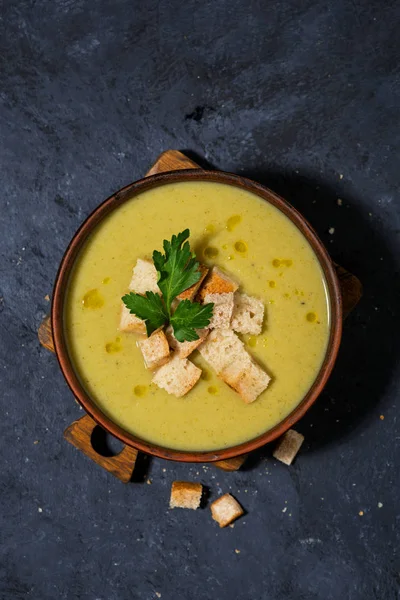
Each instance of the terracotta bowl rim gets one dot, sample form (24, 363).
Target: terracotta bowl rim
(79, 239)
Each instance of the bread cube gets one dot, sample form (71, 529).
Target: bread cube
(155, 349)
(184, 349)
(246, 377)
(248, 314)
(288, 446)
(131, 323)
(223, 309)
(232, 373)
(225, 510)
(221, 348)
(177, 376)
(191, 292)
(217, 283)
(185, 494)
(144, 278)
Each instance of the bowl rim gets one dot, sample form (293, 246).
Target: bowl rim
(67, 263)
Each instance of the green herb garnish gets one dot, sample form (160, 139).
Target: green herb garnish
(150, 308)
(188, 317)
(177, 271)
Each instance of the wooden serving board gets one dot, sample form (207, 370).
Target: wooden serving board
(79, 433)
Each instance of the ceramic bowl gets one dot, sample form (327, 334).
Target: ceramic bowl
(59, 296)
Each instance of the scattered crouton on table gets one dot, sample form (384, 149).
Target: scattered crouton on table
(177, 376)
(185, 494)
(218, 343)
(288, 446)
(225, 510)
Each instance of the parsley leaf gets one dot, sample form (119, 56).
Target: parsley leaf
(178, 269)
(150, 308)
(188, 317)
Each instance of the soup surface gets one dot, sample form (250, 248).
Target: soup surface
(258, 246)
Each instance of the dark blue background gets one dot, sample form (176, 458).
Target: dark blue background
(301, 95)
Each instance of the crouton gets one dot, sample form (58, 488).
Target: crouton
(246, 377)
(185, 494)
(217, 283)
(248, 314)
(155, 349)
(177, 376)
(223, 309)
(184, 349)
(221, 348)
(191, 292)
(225, 510)
(144, 278)
(131, 323)
(253, 382)
(226, 353)
(288, 446)
(233, 371)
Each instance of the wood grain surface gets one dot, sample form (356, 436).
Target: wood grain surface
(79, 434)
(45, 334)
(171, 160)
(231, 464)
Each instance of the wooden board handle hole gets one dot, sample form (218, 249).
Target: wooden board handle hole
(104, 443)
(102, 448)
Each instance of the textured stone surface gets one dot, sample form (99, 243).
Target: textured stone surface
(303, 96)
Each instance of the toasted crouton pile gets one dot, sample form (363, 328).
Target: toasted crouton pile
(218, 343)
